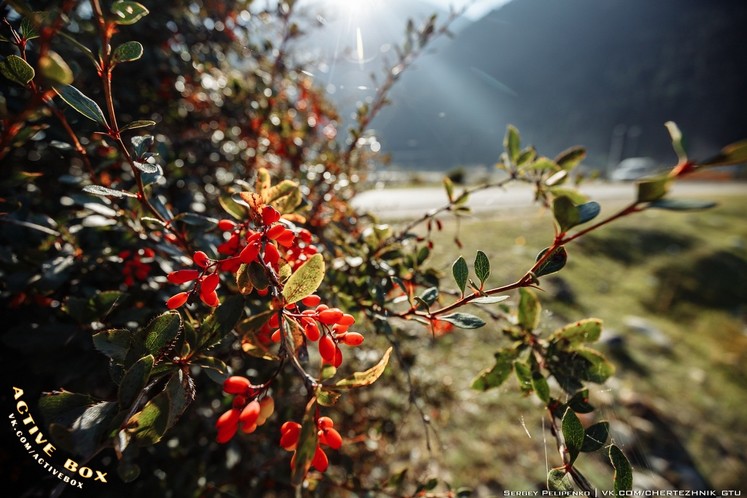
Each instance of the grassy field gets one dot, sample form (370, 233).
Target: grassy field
(671, 290)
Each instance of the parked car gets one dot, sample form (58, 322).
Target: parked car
(634, 168)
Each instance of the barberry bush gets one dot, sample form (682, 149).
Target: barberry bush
(188, 282)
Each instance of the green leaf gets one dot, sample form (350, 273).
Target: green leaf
(599, 368)
(653, 190)
(366, 378)
(570, 158)
(596, 437)
(128, 12)
(735, 153)
(682, 204)
(587, 330)
(180, 391)
(579, 402)
(540, 386)
(554, 263)
(307, 443)
(529, 309)
(161, 332)
(127, 52)
(106, 192)
(113, 343)
(140, 123)
(498, 373)
(17, 70)
(84, 105)
(543, 164)
(573, 433)
(449, 186)
(134, 380)
(243, 282)
(142, 143)
(150, 424)
(482, 267)
(524, 376)
(461, 273)
(565, 212)
(588, 211)
(463, 320)
(28, 30)
(257, 275)
(82, 422)
(489, 299)
(429, 296)
(512, 143)
(55, 69)
(222, 321)
(326, 396)
(623, 477)
(231, 207)
(559, 480)
(217, 369)
(677, 142)
(305, 280)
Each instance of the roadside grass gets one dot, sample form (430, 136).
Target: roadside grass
(670, 288)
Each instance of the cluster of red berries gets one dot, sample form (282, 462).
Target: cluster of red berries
(270, 245)
(136, 265)
(327, 435)
(320, 323)
(251, 408)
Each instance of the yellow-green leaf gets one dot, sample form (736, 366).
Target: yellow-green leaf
(17, 70)
(55, 69)
(368, 377)
(305, 280)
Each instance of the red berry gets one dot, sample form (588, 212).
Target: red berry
(346, 319)
(249, 253)
(177, 300)
(320, 461)
(211, 298)
(266, 409)
(209, 283)
(227, 424)
(250, 414)
(290, 431)
(286, 238)
(274, 232)
(272, 256)
(332, 438)
(330, 316)
(269, 215)
(312, 332)
(236, 385)
(338, 357)
(327, 349)
(226, 225)
(325, 423)
(182, 276)
(353, 339)
(275, 337)
(311, 301)
(200, 259)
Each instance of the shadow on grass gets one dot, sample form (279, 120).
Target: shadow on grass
(634, 245)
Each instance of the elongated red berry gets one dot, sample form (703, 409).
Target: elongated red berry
(332, 438)
(226, 225)
(249, 253)
(327, 349)
(320, 461)
(227, 425)
(269, 215)
(272, 256)
(352, 339)
(290, 431)
(177, 300)
(325, 423)
(311, 301)
(330, 316)
(338, 357)
(250, 414)
(236, 385)
(209, 283)
(312, 332)
(274, 232)
(286, 238)
(200, 259)
(211, 298)
(182, 276)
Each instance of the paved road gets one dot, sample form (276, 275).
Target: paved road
(400, 203)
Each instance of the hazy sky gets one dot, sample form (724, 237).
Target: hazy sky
(478, 7)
